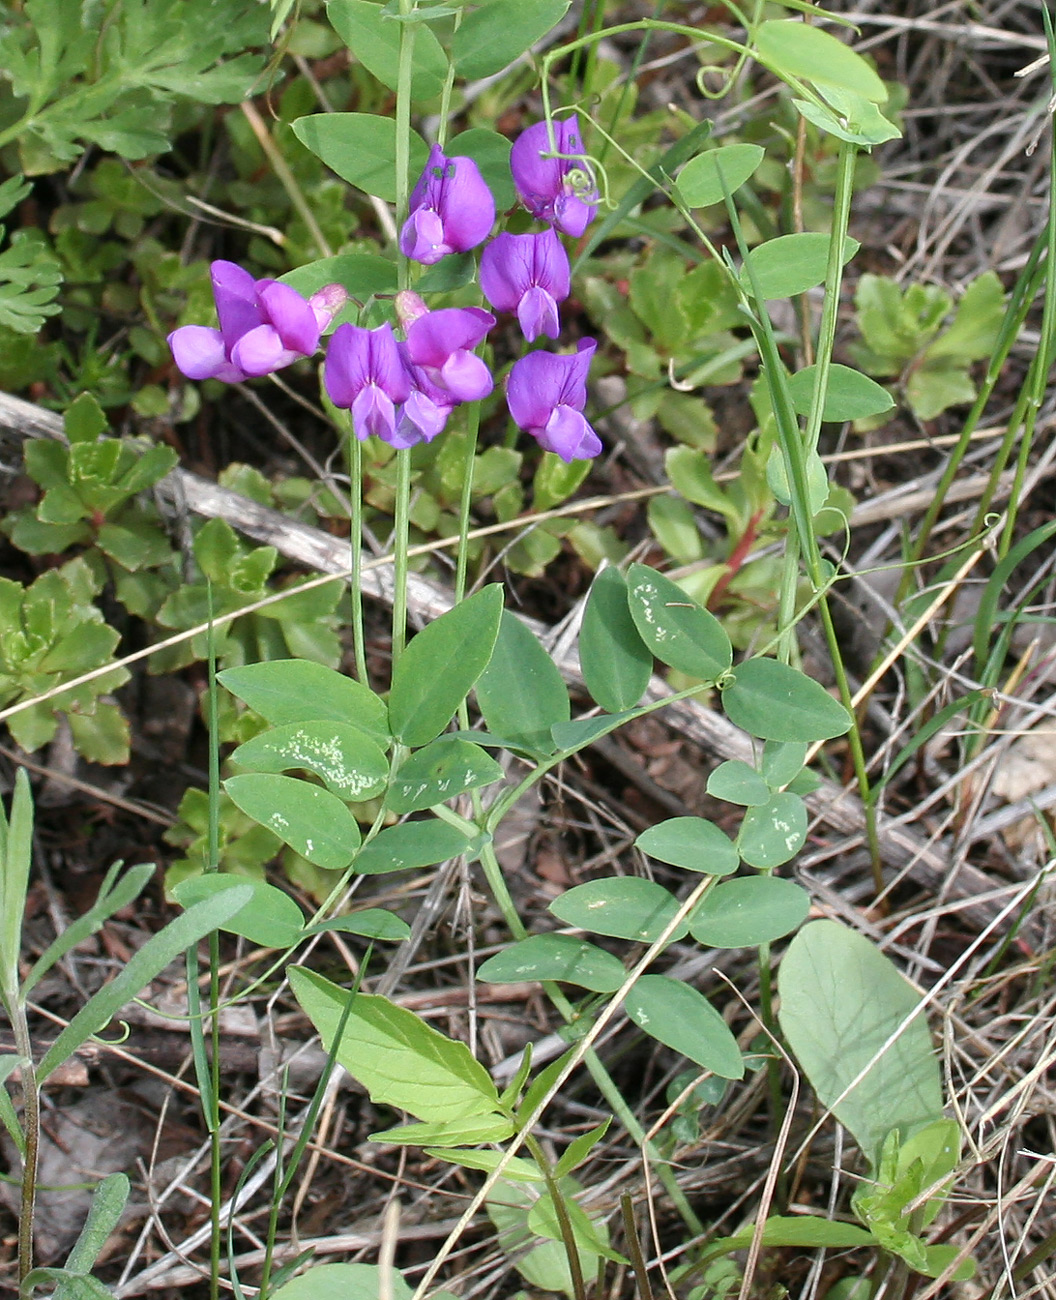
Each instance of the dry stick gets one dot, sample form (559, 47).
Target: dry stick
(838, 807)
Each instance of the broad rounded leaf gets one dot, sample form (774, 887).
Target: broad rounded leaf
(710, 176)
(374, 40)
(738, 782)
(441, 771)
(298, 690)
(746, 912)
(555, 957)
(495, 34)
(690, 842)
(850, 395)
(846, 1011)
(411, 844)
(790, 47)
(521, 692)
(349, 763)
(440, 666)
(773, 832)
(399, 1059)
(360, 148)
(271, 918)
(615, 660)
(682, 1018)
(308, 818)
(773, 701)
(342, 1282)
(782, 761)
(791, 264)
(623, 907)
(679, 632)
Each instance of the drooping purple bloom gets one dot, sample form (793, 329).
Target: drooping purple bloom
(365, 373)
(528, 274)
(546, 395)
(441, 343)
(424, 414)
(451, 209)
(264, 325)
(558, 190)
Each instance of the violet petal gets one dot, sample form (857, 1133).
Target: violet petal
(260, 352)
(198, 351)
(569, 435)
(467, 206)
(373, 413)
(237, 306)
(292, 317)
(466, 377)
(537, 314)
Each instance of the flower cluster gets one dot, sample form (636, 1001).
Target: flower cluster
(404, 391)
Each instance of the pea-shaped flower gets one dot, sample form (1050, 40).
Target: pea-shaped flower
(529, 275)
(558, 190)
(365, 373)
(441, 343)
(451, 209)
(546, 395)
(264, 325)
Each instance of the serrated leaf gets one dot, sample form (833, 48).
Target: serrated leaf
(397, 1057)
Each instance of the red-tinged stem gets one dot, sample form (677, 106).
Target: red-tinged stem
(736, 561)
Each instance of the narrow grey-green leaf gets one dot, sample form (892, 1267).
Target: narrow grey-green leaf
(298, 690)
(398, 1058)
(145, 964)
(349, 762)
(555, 957)
(441, 771)
(441, 665)
(682, 1018)
(615, 660)
(774, 701)
(679, 632)
(690, 842)
(521, 692)
(845, 1009)
(623, 907)
(306, 817)
(751, 910)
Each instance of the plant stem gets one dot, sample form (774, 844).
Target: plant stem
(399, 551)
(354, 449)
(466, 503)
(31, 1129)
(568, 1236)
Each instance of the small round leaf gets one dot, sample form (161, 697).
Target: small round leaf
(690, 842)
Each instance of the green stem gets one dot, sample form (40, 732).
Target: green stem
(211, 1102)
(354, 450)
(408, 31)
(399, 551)
(466, 502)
(31, 1128)
(568, 1236)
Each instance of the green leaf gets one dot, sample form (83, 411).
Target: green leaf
(102, 736)
(935, 386)
(360, 148)
(347, 760)
(682, 1018)
(790, 264)
(521, 692)
(85, 419)
(623, 907)
(397, 1057)
(796, 49)
(343, 1282)
(477, 1128)
(782, 762)
(491, 152)
(412, 844)
(807, 1231)
(516, 1170)
(492, 36)
(976, 323)
(375, 42)
(773, 701)
(270, 918)
(579, 1148)
(108, 1202)
(751, 910)
(690, 842)
(773, 832)
(30, 278)
(298, 690)
(850, 395)
(145, 964)
(542, 1264)
(362, 274)
(370, 923)
(615, 660)
(308, 818)
(848, 117)
(441, 664)
(442, 770)
(710, 176)
(845, 1009)
(738, 782)
(679, 632)
(555, 957)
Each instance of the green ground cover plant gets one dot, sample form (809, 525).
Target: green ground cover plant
(459, 226)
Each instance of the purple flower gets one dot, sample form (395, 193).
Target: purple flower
(528, 274)
(264, 326)
(451, 209)
(546, 395)
(425, 412)
(558, 190)
(441, 343)
(365, 372)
